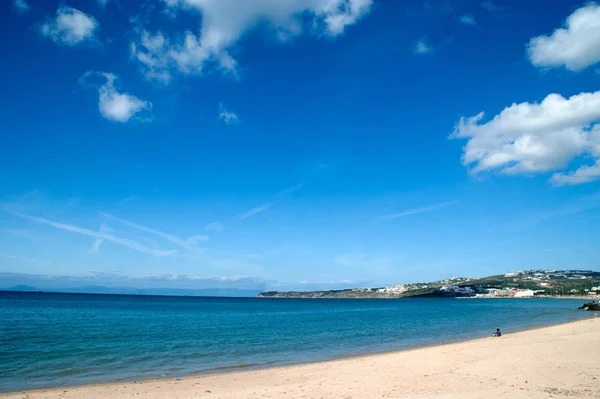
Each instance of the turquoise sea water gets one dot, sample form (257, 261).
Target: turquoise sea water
(49, 340)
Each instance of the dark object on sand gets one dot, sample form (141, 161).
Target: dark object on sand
(593, 306)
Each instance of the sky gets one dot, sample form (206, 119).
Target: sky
(298, 144)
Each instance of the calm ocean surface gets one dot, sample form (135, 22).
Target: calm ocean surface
(49, 340)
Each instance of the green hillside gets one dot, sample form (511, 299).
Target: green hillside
(543, 282)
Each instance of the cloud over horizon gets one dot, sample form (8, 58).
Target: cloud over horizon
(169, 284)
(96, 280)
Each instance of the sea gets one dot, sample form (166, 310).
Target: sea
(55, 340)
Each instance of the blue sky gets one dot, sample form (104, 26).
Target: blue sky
(306, 143)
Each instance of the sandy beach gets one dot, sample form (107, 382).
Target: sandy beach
(553, 362)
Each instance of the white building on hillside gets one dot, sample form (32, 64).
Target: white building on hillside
(525, 294)
(458, 290)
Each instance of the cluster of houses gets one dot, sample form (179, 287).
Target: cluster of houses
(395, 289)
(455, 290)
(544, 275)
(509, 293)
(544, 278)
(401, 288)
(594, 291)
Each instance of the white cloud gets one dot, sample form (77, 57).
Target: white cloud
(278, 197)
(538, 137)
(128, 199)
(187, 244)
(467, 20)
(96, 245)
(417, 210)
(227, 116)
(119, 107)
(490, 6)
(99, 235)
(115, 106)
(103, 229)
(198, 237)
(343, 13)
(152, 51)
(421, 47)
(21, 6)
(70, 27)
(290, 190)
(255, 211)
(225, 22)
(576, 46)
(217, 227)
(584, 174)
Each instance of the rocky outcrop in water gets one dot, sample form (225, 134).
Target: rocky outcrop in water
(592, 306)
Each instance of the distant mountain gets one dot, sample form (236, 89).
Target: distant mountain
(213, 292)
(26, 288)
(109, 283)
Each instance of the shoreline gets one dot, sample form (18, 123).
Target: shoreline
(122, 389)
(572, 297)
(241, 368)
(589, 298)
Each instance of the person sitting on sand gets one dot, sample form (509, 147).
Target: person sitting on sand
(497, 333)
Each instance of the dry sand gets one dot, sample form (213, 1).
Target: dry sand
(554, 362)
